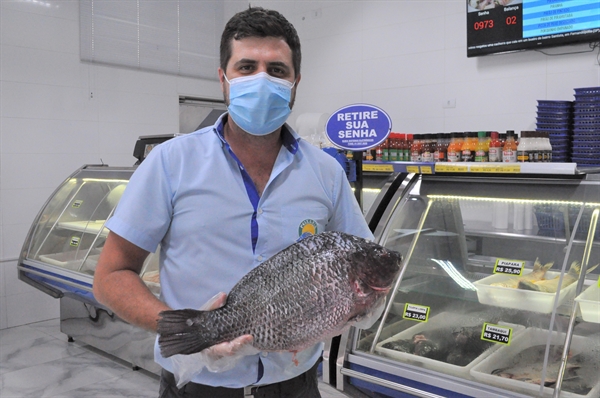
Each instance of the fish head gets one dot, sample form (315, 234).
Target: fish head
(374, 269)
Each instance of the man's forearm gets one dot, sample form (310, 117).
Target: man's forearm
(127, 295)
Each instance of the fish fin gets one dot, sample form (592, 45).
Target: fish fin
(591, 269)
(525, 285)
(536, 264)
(180, 333)
(575, 269)
(547, 266)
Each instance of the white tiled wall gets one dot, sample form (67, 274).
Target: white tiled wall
(406, 56)
(57, 114)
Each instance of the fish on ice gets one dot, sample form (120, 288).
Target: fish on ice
(309, 292)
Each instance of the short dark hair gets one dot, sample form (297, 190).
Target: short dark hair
(259, 22)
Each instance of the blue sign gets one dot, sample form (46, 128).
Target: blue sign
(358, 127)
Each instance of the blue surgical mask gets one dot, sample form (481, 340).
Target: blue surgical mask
(260, 103)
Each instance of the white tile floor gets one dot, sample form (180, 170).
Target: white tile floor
(36, 360)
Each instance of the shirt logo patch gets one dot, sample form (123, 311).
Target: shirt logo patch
(307, 227)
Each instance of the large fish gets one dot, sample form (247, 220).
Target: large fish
(308, 292)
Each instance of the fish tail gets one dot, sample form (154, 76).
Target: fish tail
(526, 285)
(180, 332)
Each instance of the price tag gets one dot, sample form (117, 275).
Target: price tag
(77, 204)
(598, 281)
(509, 267)
(419, 313)
(74, 241)
(495, 169)
(412, 169)
(496, 334)
(378, 167)
(450, 168)
(426, 170)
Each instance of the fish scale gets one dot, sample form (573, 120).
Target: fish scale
(304, 294)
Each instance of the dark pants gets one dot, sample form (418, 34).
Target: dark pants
(302, 386)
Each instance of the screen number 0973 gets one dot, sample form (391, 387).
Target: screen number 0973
(487, 24)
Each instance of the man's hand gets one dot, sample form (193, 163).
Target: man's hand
(228, 348)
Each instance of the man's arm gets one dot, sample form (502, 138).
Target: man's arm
(118, 285)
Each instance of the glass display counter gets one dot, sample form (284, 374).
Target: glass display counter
(60, 254)
(499, 292)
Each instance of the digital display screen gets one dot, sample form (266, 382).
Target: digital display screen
(495, 26)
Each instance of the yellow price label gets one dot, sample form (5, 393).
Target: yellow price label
(495, 169)
(412, 169)
(426, 170)
(450, 168)
(598, 281)
(378, 167)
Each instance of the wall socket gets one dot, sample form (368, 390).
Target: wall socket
(449, 103)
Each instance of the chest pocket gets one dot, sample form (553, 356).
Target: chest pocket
(296, 220)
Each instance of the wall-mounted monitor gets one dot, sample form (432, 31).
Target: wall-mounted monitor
(496, 26)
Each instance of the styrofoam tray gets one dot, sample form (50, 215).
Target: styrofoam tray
(589, 304)
(445, 319)
(520, 299)
(531, 337)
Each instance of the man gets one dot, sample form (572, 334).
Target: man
(222, 200)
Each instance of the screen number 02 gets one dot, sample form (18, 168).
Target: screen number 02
(512, 20)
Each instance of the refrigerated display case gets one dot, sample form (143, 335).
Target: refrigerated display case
(498, 295)
(60, 254)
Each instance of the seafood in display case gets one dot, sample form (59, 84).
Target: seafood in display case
(489, 303)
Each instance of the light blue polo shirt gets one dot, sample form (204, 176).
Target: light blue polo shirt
(192, 196)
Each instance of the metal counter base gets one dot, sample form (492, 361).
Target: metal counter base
(105, 331)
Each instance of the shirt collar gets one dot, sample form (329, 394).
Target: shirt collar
(289, 137)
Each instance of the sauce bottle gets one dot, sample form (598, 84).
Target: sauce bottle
(469, 146)
(495, 151)
(415, 148)
(441, 149)
(407, 145)
(385, 149)
(454, 148)
(509, 151)
(481, 150)
(401, 144)
(427, 148)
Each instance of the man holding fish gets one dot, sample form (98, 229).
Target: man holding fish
(222, 200)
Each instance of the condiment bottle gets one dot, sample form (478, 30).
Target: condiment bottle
(525, 150)
(495, 151)
(385, 149)
(407, 146)
(469, 146)
(401, 144)
(441, 149)
(427, 149)
(481, 150)
(509, 151)
(547, 146)
(415, 148)
(379, 152)
(454, 148)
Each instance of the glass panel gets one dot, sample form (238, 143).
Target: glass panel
(488, 291)
(70, 231)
